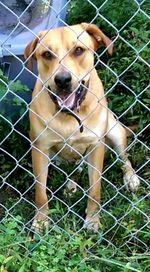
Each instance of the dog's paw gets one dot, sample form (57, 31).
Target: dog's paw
(131, 181)
(92, 224)
(70, 189)
(40, 226)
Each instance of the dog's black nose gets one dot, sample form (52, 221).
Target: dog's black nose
(63, 79)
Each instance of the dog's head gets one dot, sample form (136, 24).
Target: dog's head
(65, 58)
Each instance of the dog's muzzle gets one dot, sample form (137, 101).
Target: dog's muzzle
(68, 102)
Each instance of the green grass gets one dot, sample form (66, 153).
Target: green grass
(121, 244)
(64, 248)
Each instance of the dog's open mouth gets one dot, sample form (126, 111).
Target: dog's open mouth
(68, 102)
(65, 100)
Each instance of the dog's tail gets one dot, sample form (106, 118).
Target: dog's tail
(131, 129)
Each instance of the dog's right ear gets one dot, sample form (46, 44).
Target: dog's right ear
(28, 53)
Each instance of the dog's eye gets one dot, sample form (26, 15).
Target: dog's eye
(79, 51)
(47, 55)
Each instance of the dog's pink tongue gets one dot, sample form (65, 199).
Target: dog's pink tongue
(67, 100)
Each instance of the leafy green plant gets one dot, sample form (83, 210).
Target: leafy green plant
(14, 118)
(61, 251)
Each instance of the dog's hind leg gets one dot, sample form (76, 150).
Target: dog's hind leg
(70, 188)
(116, 133)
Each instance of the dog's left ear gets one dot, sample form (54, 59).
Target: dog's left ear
(29, 52)
(98, 36)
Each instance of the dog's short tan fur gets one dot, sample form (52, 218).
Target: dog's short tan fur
(53, 131)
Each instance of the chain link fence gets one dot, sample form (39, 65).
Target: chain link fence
(123, 241)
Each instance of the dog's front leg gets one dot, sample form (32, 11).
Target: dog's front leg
(95, 165)
(40, 160)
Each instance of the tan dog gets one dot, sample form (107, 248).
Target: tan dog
(69, 115)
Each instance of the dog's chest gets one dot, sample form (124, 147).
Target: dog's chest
(64, 139)
(74, 148)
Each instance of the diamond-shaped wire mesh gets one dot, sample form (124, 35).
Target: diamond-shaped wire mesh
(123, 237)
